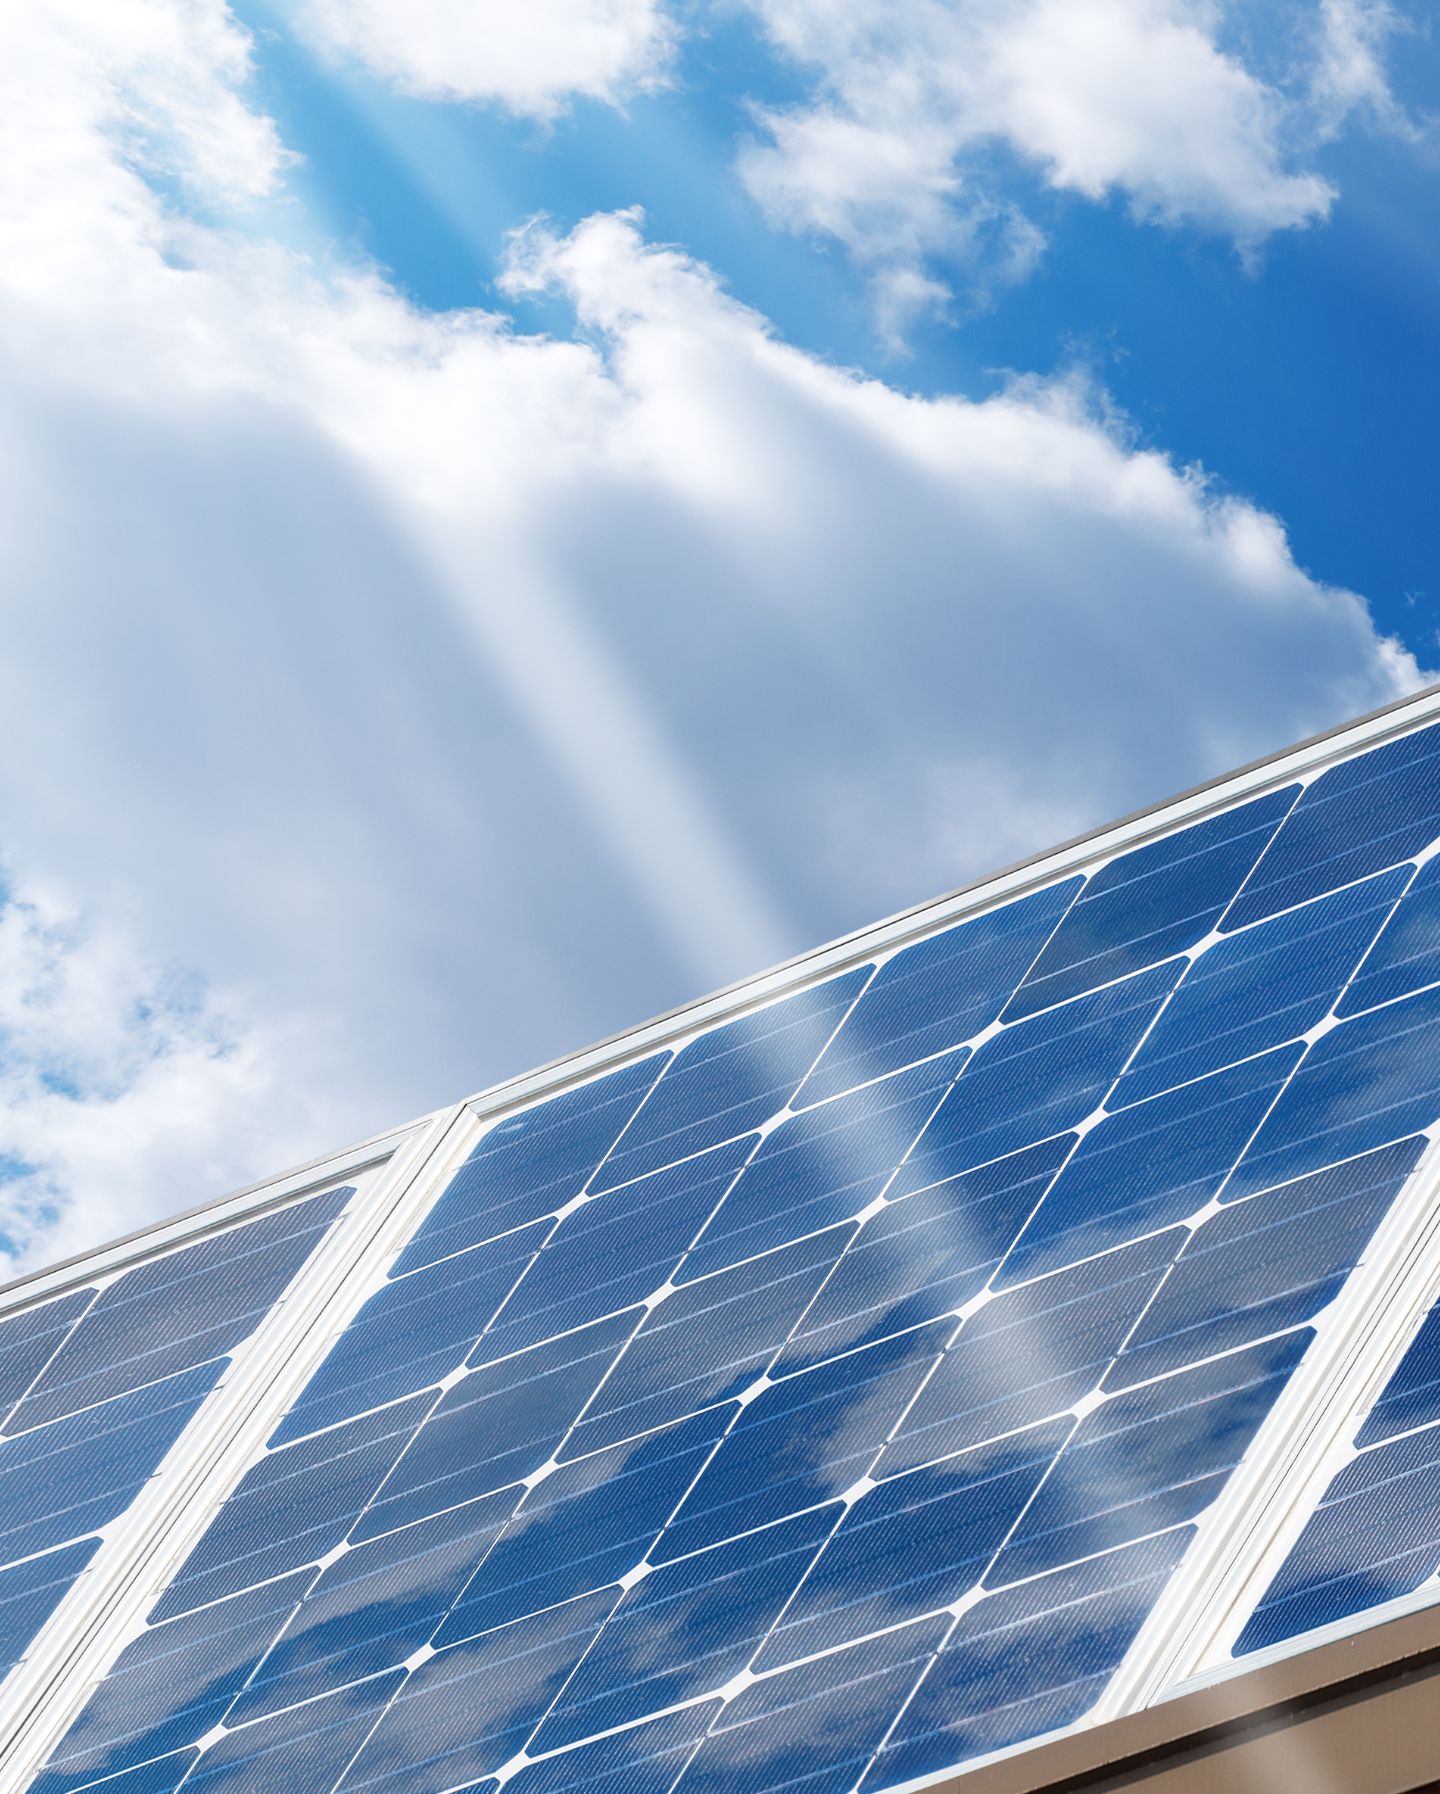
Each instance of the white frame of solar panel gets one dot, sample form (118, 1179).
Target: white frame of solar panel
(1243, 1537)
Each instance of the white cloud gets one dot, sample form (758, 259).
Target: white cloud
(1133, 97)
(447, 697)
(1350, 75)
(531, 58)
(123, 1090)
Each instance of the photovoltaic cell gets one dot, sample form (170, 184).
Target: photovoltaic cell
(1375, 1533)
(829, 1401)
(99, 1384)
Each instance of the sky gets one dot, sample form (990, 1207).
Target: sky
(514, 517)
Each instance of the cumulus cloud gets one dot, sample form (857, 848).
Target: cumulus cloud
(892, 155)
(447, 697)
(531, 58)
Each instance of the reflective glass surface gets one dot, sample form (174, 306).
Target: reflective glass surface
(827, 1401)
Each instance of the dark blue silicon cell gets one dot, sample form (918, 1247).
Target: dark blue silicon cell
(1151, 903)
(1037, 1079)
(924, 1255)
(531, 1164)
(584, 1526)
(180, 1310)
(814, 1727)
(615, 1249)
(1150, 1458)
(914, 1544)
(28, 1340)
(1149, 1166)
(1367, 813)
(1265, 1264)
(31, 1591)
(1031, 1353)
(60, 1481)
(732, 1079)
(1407, 956)
(173, 1683)
(686, 1628)
(375, 1605)
(822, 1166)
(938, 992)
(1412, 1396)
(804, 1441)
(1252, 991)
(645, 1759)
(1374, 1537)
(497, 1425)
(1370, 1081)
(294, 1506)
(706, 1342)
(305, 1748)
(412, 1331)
(471, 1707)
(1028, 1660)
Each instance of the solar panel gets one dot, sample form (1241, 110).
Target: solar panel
(837, 1389)
(99, 1383)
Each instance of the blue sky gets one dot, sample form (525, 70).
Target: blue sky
(1299, 380)
(513, 518)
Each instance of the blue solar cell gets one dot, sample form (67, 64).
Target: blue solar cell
(938, 992)
(1412, 1396)
(28, 1340)
(615, 1249)
(65, 1479)
(925, 1255)
(1254, 990)
(1150, 1458)
(686, 1628)
(293, 1506)
(531, 1164)
(151, 1778)
(498, 1424)
(1364, 814)
(1370, 1081)
(1375, 1536)
(804, 1441)
(375, 1605)
(1265, 1264)
(730, 1080)
(1150, 904)
(822, 1166)
(815, 1727)
(1037, 1079)
(412, 1331)
(31, 1591)
(1149, 1166)
(1030, 1353)
(706, 1342)
(644, 1760)
(304, 1748)
(1407, 956)
(1028, 1660)
(180, 1310)
(471, 1707)
(585, 1525)
(171, 1685)
(914, 1544)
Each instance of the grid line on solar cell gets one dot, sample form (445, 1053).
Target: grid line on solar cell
(1108, 1217)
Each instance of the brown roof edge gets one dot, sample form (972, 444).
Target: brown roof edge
(1359, 1715)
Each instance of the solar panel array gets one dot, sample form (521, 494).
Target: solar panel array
(828, 1399)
